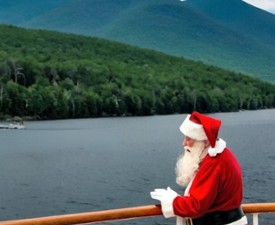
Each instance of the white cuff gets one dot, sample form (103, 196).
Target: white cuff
(167, 203)
(167, 209)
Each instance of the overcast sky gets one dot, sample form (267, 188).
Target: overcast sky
(268, 5)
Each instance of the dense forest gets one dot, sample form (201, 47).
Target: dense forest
(52, 75)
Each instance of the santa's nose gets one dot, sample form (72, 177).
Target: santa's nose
(187, 141)
(184, 143)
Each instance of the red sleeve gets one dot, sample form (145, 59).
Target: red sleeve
(202, 193)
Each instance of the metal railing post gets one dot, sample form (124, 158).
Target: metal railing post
(255, 218)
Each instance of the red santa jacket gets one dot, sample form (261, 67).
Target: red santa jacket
(217, 186)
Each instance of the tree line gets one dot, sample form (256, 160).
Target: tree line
(51, 75)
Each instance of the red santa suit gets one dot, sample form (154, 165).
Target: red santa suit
(217, 186)
(216, 191)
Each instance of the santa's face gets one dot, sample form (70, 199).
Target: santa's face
(188, 143)
(188, 163)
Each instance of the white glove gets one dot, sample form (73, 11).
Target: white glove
(158, 193)
(166, 198)
(172, 192)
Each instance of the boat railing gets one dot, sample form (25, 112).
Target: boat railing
(125, 213)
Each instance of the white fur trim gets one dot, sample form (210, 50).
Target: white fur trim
(167, 203)
(193, 130)
(219, 147)
(167, 209)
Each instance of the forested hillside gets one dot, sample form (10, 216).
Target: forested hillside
(50, 75)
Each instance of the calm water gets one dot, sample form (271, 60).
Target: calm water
(71, 166)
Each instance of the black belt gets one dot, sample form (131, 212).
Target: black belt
(218, 218)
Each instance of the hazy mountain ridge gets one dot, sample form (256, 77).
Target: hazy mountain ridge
(241, 16)
(18, 11)
(227, 33)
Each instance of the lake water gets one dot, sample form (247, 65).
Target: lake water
(70, 166)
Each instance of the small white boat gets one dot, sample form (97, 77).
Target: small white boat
(12, 126)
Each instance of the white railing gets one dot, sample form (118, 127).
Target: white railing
(258, 208)
(125, 213)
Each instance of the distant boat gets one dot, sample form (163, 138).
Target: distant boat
(13, 126)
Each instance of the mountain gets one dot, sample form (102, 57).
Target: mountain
(17, 12)
(227, 33)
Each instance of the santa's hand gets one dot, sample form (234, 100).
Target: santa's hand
(166, 198)
(172, 192)
(158, 194)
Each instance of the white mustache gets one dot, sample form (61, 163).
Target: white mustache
(187, 149)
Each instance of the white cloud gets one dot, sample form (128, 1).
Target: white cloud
(268, 5)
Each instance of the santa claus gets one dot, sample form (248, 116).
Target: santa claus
(210, 174)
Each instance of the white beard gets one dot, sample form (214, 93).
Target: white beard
(188, 163)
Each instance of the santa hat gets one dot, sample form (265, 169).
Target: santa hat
(201, 127)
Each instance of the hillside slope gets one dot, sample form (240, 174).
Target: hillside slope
(46, 74)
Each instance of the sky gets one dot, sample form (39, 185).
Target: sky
(268, 5)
